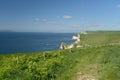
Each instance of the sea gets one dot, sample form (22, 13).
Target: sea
(25, 42)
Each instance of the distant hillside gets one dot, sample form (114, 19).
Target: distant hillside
(7, 31)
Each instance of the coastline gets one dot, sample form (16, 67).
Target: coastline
(15, 42)
(66, 64)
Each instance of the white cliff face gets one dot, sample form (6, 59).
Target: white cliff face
(83, 32)
(77, 38)
(62, 46)
(70, 46)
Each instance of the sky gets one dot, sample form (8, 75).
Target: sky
(59, 15)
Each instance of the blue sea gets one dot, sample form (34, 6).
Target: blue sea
(20, 42)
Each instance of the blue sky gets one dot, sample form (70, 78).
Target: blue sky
(59, 15)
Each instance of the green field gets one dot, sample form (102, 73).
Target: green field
(98, 59)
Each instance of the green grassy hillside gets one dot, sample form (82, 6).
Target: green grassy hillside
(98, 61)
(96, 38)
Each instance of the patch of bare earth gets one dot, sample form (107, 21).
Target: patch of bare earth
(89, 73)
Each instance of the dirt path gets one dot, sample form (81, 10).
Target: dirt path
(90, 73)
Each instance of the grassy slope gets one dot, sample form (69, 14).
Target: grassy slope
(98, 63)
(101, 61)
(100, 38)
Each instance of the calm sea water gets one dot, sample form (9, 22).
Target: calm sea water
(17, 42)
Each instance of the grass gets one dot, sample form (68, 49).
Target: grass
(99, 38)
(98, 63)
